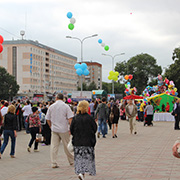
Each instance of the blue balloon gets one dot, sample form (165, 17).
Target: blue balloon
(86, 72)
(79, 71)
(128, 83)
(69, 15)
(100, 41)
(76, 66)
(83, 66)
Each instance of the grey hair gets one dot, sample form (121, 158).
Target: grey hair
(60, 96)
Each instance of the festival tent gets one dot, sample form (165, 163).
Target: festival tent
(132, 96)
(160, 99)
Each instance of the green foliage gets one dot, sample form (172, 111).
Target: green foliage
(92, 86)
(118, 88)
(143, 67)
(9, 86)
(172, 72)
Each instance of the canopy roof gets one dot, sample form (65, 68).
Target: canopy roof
(99, 92)
(133, 97)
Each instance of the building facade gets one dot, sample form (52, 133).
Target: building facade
(38, 68)
(95, 74)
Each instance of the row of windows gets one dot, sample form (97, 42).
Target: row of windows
(52, 88)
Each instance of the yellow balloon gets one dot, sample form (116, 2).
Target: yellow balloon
(175, 89)
(111, 73)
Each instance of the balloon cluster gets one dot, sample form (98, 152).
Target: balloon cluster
(113, 75)
(165, 86)
(106, 48)
(1, 41)
(81, 69)
(129, 90)
(72, 21)
(128, 77)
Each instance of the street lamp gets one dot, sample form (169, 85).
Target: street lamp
(113, 66)
(81, 41)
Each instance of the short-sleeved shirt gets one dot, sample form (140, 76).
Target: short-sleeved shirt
(59, 113)
(27, 110)
(142, 107)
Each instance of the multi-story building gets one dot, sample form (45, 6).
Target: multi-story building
(39, 68)
(95, 74)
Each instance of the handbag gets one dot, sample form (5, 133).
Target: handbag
(38, 137)
(173, 113)
(70, 146)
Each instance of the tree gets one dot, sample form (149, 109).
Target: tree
(143, 67)
(9, 86)
(118, 88)
(84, 86)
(92, 86)
(107, 87)
(173, 70)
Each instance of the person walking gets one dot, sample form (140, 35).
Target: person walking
(149, 111)
(10, 127)
(91, 105)
(176, 110)
(115, 111)
(83, 129)
(59, 116)
(19, 115)
(141, 111)
(102, 113)
(26, 112)
(131, 111)
(34, 128)
(109, 120)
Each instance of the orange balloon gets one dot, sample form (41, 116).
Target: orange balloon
(126, 77)
(94, 92)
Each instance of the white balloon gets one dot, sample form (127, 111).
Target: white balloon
(103, 44)
(72, 20)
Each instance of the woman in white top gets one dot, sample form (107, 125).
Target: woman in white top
(149, 110)
(26, 112)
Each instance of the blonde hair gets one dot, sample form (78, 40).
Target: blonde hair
(82, 107)
(11, 109)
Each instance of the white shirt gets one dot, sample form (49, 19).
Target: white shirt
(27, 110)
(4, 110)
(59, 114)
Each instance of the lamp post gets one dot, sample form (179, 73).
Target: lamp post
(81, 41)
(113, 66)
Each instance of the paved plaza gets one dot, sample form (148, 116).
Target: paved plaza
(145, 156)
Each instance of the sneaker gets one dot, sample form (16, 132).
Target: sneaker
(29, 149)
(36, 150)
(104, 136)
(98, 135)
(115, 136)
(12, 156)
(80, 176)
(55, 166)
(135, 132)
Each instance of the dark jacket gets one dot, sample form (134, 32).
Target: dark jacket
(83, 129)
(102, 111)
(10, 122)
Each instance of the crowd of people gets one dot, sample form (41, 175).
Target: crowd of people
(58, 119)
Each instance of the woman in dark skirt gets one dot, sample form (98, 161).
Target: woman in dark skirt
(116, 113)
(83, 129)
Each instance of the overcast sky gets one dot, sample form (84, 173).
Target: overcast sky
(126, 26)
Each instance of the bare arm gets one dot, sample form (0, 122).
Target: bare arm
(70, 120)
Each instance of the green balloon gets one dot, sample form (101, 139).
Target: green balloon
(106, 48)
(71, 26)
